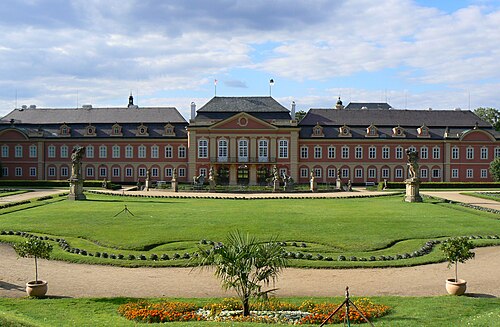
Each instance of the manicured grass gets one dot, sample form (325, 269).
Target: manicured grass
(495, 196)
(406, 311)
(351, 227)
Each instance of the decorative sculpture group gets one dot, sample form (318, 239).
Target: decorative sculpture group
(413, 182)
(76, 180)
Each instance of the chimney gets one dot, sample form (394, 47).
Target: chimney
(193, 110)
(293, 110)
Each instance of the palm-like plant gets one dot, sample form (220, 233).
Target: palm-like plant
(245, 265)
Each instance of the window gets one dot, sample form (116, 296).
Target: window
(304, 172)
(142, 172)
(181, 153)
(89, 151)
(243, 150)
(168, 172)
(436, 153)
(155, 172)
(5, 151)
(33, 151)
(484, 173)
(203, 171)
(90, 171)
(63, 151)
(398, 173)
(372, 152)
(155, 151)
(5, 171)
(331, 172)
(18, 171)
(203, 148)
(304, 153)
(385, 153)
(52, 171)
(282, 171)
(168, 151)
(222, 151)
(469, 173)
(497, 152)
(412, 149)
(129, 151)
(182, 172)
(358, 172)
(345, 172)
(263, 153)
(116, 151)
(436, 173)
(32, 171)
(372, 173)
(331, 152)
(484, 153)
(423, 173)
(103, 172)
(141, 151)
(454, 173)
(18, 151)
(424, 153)
(103, 151)
(117, 129)
(129, 172)
(64, 171)
(358, 152)
(318, 153)
(283, 149)
(455, 153)
(115, 172)
(470, 153)
(345, 152)
(317, 172)
(399, 152)
(385, 172)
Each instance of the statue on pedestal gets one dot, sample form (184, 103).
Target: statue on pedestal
(413, 182)
(276, 179)
(211, 179)
(76, 180)
(313, 185)
(175, 186)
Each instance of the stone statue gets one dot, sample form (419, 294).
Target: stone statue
(76, 162)
(412, 164)
(349, 186)
(211, 178)
(313, 185)
(175, 186)
(174, 175)
(276, 176)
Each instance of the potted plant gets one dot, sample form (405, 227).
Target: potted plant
(34, 248)
(457, 250)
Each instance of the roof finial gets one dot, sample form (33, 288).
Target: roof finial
(130, 100)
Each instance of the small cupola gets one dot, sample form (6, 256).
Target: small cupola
(339, 104)
(130, 100)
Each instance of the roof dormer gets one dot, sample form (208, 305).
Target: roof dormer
(345, 131)
(142, 130)
(423, 131)
(116, 130)
(90, 130)
(169, 130)
(317, 131)
(398, 131)
(64, 130)
(371, 131)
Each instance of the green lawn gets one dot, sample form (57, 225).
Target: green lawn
(439, 311)
(361, 227)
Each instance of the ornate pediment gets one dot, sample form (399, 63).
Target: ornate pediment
(168, 130)
(243, 121)
(116, 130)
(90, 130)
(142, 130)
(64, 130)
(398, 131)
(345, 131)
(317, 131)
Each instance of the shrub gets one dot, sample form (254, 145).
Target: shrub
(341, 258)
(153, 257)
(165, 256)
(98, 254)
(104, 255)
(131, 257)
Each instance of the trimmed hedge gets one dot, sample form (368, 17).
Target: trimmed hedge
(58, 183)
(399, 185)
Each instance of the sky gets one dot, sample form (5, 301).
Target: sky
(413, 54)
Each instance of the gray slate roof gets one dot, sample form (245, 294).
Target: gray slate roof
(392, 118)
(368, 105)
(242, 104)
(96, 115)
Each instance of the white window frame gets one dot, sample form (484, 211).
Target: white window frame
(358, 152)
(386, 172)
(358, 173)
(155, 172)
(331, 172)
(32, 171)
(484, 173)
(115, 151)
(398, 152)
(64, 151)
(424, 153)
(5, 171)
(64, 171)
(469, 153)
(318, 152)
(141, 151)
(5, 151)
(33, 151)
(51, 171)
(263, 150)
(372, 173)
(345, 152)
(318, 172)
(304, 152)
(398, 173)
(455, 152)
(372, 152)
(181, 152)
(469, 173)
(89, 171)
(168, 172)
(304, 172)
(454, 173)
(182, 172)
(424, 173)
(436, 152)
(331, 152)
(484, 153)
(103, 171)
(115, 171)
(386, 152)
(89, 151)
(103, 151)
(51, 151)
(436, 173)
(169, 151)
(202, 148)
(222, 150)
(203, 172)
(345, 172)
(282, 149)
(155, 151)
(497, 152)
(129, 172)
(18, 171)
(243, 150)
(129, 151)
(141, 172)
(18, 152)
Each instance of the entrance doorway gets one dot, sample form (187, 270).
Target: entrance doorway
(223, 176)
(262, 176)
(242, 175)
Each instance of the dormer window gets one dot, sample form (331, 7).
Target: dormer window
(423, 131)
(398, 131)
(90, 130)
(116, 130)
(64, 130)
(344, 131)
(318, 131)
(142, 130)
(371, 131)
(169, 130)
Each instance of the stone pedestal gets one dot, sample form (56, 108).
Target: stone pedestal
(313, 185)
(76, 190)
(175, 186)
(147, 184)
(211, 185)
(338, 184)
(276, 185)
(413, 190)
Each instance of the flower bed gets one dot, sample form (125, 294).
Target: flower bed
(262, 312)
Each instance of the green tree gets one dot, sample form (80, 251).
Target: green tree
(34, 248)
(495, 169)
(299, 115)
(245, 265)
(457, 249)
(491, 115)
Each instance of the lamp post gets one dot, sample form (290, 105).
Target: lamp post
(271, 83)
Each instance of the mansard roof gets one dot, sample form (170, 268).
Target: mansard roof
(243, 104)
(96, 115)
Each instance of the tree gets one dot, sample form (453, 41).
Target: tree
(299, 115)
(457, 250)
(491, 115)
(34, 248)
(245, 265)
(495, 169)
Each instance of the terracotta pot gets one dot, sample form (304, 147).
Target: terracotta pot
(36, 289)
(456, 287)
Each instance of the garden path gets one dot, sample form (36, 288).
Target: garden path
(81, 280)
(456, 196)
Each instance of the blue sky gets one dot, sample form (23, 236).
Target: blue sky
(412, 54)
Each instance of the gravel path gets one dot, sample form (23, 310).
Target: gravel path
(457, 197)
(80, 280)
